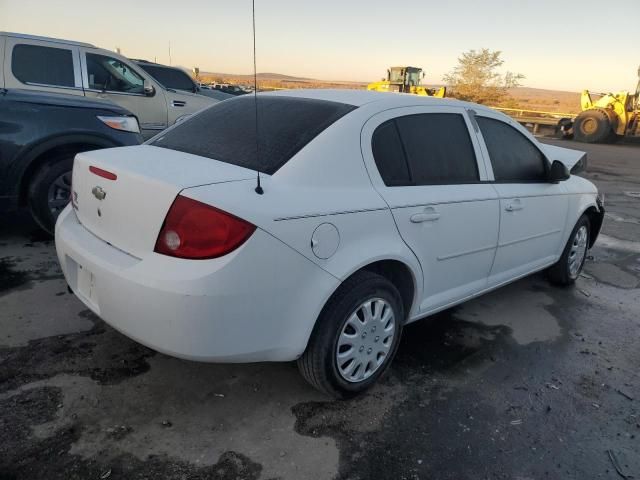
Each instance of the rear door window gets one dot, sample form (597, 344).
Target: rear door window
(428, 149)
(389, 155)
(226, 131)
(514, 158)
(34, 64)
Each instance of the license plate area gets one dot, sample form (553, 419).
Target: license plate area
(83, 283)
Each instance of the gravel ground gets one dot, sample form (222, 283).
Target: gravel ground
(528, 382)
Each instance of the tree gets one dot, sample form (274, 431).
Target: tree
(476, 77)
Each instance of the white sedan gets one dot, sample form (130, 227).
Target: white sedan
(373, 210)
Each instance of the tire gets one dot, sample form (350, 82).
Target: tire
(592, 126)
(49, 191)
(319, 364)
(567, 269)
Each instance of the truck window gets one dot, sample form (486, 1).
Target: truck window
(169, 77)
(109, 74)
(34, 64)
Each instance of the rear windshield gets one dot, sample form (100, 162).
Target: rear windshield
(227, 131)
(169, 77)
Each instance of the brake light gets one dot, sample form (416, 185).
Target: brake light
(196, 230)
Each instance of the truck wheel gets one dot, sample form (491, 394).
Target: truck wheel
(592, 126)
(355, 337)
(49, 191)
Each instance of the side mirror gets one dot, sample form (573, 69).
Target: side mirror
(149, 90)
(558, 172)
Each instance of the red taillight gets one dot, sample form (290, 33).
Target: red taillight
(102, 173)
(196, 230)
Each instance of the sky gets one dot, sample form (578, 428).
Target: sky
(557, 44)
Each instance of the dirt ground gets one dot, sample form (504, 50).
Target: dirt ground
(528, 382)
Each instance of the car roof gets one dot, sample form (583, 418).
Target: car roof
(359, 98)
(46, 39)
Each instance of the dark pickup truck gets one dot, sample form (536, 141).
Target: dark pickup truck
(40, 134)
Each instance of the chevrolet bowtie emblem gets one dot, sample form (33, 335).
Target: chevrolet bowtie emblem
(99, 193)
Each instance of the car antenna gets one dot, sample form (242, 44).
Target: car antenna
(258, 188)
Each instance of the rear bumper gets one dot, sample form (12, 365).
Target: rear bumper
(250, 305)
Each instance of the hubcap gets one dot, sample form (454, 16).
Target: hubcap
(578, 251)
(59, 193)
(589, 126)
(365, 340)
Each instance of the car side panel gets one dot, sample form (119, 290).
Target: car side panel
(366, 231)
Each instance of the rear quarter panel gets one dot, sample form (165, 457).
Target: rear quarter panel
(326, 182)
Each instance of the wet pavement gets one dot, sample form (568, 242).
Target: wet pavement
(528, 382)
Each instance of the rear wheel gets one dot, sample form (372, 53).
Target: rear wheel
(50, 190)
(592, 126)
(567, 269)
(355, 337)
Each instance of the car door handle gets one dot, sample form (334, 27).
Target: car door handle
(178, 103)
(428, 216)
(515, 205)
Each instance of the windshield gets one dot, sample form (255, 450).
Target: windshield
(413, 78)
(172, 78)
(226, 131)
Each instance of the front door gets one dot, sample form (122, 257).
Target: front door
(111, 79)
(427, 165)
(533, 211)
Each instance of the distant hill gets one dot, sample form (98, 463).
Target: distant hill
(522, 97)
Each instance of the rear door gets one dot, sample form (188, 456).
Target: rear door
(112, 79)
(41, 65)
(533, 212)
(427, 166)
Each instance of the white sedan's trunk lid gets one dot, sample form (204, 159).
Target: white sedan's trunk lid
(128, 211)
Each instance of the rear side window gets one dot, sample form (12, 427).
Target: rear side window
(428, 149)
(169, 77)
(43, 65)
(389, 155)
(513, 157)
(226, 131)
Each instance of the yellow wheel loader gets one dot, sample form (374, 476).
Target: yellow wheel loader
(609, 118)
(406, 80)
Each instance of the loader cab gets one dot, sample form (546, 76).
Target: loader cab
(404, 78)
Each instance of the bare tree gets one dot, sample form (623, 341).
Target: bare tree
(476, 77)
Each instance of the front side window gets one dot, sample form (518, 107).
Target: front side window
(435, 147)
(513, 156)
(109, 74)
(33, 64)
(171, 78)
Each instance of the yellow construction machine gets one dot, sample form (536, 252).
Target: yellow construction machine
(609, 118)
(406, 80)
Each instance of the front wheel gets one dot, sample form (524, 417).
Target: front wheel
(567, 269)
(355, 337)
